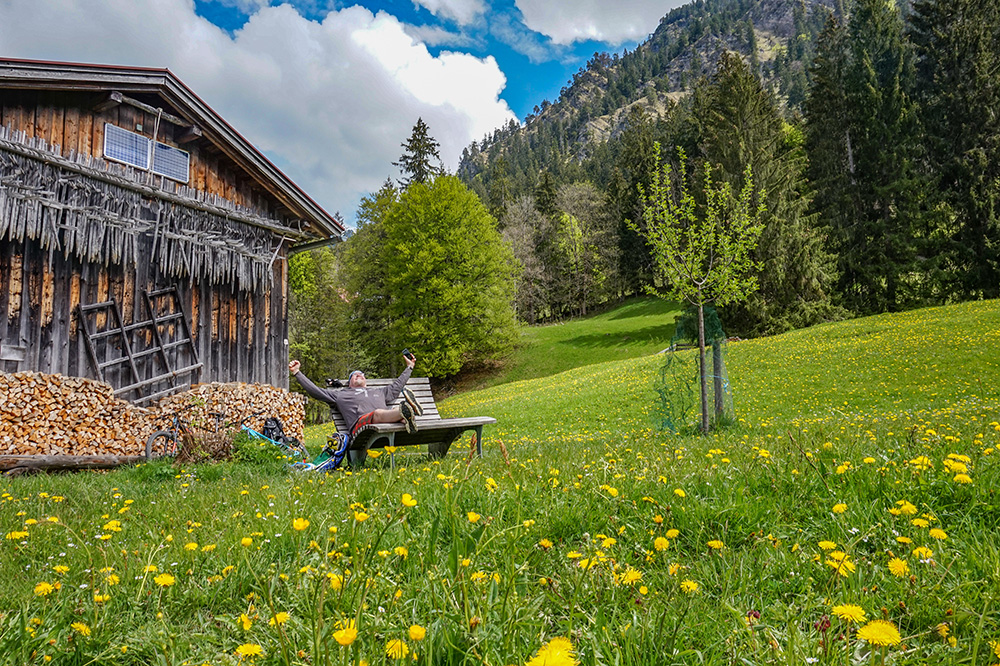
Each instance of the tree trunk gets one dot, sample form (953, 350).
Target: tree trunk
(717, 370)
(703, 370)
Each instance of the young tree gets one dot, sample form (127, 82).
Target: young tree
(415, 162)
(704, 253)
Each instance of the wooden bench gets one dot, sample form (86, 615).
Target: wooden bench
(437, 433)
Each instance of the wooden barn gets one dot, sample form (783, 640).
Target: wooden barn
(143, 241)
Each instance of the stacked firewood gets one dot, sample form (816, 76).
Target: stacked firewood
(209, 406)
(68, 416)
(53, 415)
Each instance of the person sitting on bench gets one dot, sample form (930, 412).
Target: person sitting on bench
(361, 406)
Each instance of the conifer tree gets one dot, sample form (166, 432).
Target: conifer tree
(958, 71)
(416, 161)
(742, 127)
(876, 211)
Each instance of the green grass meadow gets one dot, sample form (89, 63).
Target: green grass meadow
(849, 517)
(638, 327)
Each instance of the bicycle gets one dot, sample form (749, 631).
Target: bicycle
(163, 443)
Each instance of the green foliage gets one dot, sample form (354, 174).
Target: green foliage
(319, 319)
(958, 84)
(865, 144)
(430, 273)
(703, 252)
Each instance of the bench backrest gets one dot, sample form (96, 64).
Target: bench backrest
(421, 387)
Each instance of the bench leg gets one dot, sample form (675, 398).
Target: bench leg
(356, 457)
(479, 441)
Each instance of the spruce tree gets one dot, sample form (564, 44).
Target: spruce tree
(415, 162)
(876, 204)
(958, 72)
(743, 128)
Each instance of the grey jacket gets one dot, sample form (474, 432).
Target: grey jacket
(353, 403)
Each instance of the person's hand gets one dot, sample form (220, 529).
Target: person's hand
(294, 366)
(411, 361)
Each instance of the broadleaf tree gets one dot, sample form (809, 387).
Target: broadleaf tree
(449, 278)
(703, 251)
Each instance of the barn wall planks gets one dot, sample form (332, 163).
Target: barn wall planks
(45, 323)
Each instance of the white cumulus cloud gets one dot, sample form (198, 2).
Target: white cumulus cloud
(462, 12)
(329, 102)
(598, 20)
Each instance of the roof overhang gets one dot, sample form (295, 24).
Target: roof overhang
(64, 76)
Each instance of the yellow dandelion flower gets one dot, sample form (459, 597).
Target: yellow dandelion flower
(680, 493)
(545, 544)
(249, 650)
(898, 567)
(715, 544)
(80, 628)
(245, 622)
(689, 586)
(962, 478)
(880, 632)
(164, 580)
(300, 524)
(246, 541)
(347, 632)
(44, 589)
(923, 553)
(661, 544)
(396, 649)
(839, 508)
(850, 613)
(360, 516)
(473, 517)
(417, 632)
(279, 619)
(557, 652)
(937, 533)
(672, 533)
(827, 545)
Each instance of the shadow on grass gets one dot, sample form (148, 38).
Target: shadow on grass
(647, 307)
(663, 333)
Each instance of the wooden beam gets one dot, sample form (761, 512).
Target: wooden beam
(169, 117)
(192, 133)
(112, 99)
(14, 465)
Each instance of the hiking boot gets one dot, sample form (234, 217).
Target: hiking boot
(409, 418)
(411, 400)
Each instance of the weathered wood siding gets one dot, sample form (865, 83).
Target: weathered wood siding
(239, 335)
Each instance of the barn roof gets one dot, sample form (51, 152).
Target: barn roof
(186, 106)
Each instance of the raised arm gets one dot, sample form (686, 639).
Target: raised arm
(311, 389)
(394, 389)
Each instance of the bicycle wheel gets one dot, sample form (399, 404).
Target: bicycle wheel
(161, 443)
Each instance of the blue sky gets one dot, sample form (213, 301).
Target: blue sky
(328, 90)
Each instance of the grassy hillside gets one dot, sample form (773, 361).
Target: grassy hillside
(639, 327)
(858, 485)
